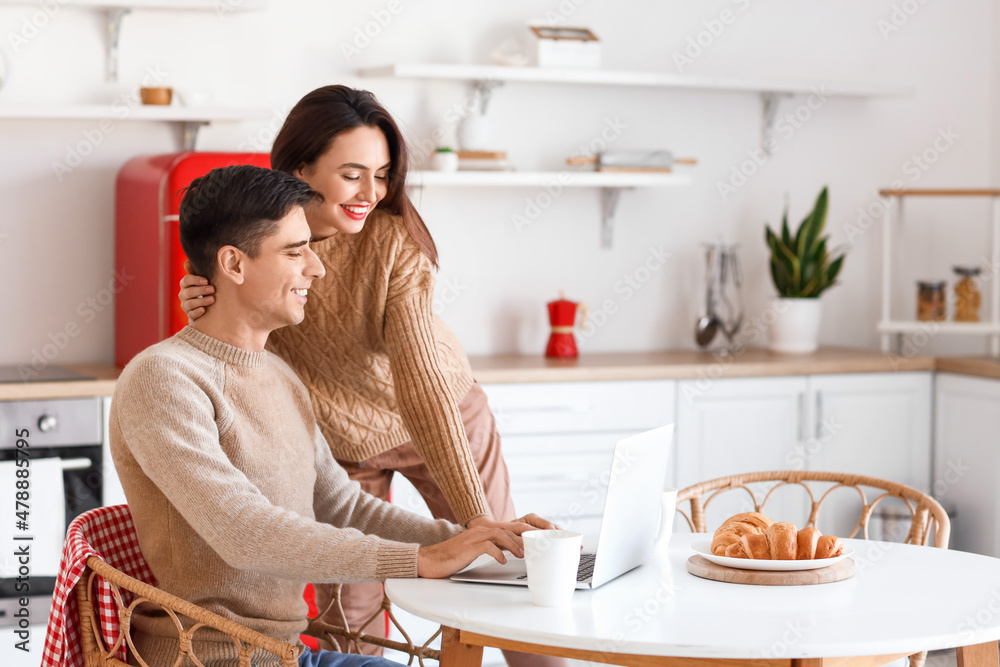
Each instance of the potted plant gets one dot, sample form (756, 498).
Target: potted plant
(802, 269)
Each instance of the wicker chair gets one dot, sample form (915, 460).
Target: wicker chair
(927, 517)
(106, 596)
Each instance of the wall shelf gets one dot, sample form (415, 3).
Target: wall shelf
(949, 327)
(892, 331)
(115, 11)
(569, 179)
(610, 184)
(770, 91)
(191, 119)
(604, 77)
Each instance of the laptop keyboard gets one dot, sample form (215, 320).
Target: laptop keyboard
(584, 572)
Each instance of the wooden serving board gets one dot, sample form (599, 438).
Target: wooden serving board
(704, 568)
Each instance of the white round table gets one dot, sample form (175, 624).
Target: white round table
(903, 599)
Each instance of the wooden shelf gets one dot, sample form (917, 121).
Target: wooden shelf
(629, 78)
(948, 327)
(941, 192)
(581, 179)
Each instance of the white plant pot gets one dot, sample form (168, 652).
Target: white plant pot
(444, 161)
(796, 325)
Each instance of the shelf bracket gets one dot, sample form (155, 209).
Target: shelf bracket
(190, 133)
(609, 203)
(768, 116)
(115, 16)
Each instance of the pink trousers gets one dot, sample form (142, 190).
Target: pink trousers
(362, 602)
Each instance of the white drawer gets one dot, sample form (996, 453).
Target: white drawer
(572, 407)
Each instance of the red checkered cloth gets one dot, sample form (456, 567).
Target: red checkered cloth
(109, 534)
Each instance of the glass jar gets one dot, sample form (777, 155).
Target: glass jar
(930, 301)
(967, 296)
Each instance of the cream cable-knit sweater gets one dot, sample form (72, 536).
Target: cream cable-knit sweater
(380, 366)
(236, 498)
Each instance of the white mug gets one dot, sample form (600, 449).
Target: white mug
(668, 505)
(552, 558)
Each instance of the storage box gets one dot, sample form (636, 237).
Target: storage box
(566, 47)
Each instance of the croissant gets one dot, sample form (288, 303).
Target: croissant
(753, 535)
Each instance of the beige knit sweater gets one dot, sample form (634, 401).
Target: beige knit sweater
(380, 366)
(236, 499)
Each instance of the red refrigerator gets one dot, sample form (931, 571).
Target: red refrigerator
(147, 200)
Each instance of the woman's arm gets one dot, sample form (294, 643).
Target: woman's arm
(426, 402)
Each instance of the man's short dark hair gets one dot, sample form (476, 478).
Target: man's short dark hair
(238, 206)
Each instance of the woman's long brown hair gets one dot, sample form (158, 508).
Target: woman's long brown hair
(315, 122)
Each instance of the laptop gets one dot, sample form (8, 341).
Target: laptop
(630, 523)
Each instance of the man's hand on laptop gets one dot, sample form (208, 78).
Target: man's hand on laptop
(518, 526)
(446, 558)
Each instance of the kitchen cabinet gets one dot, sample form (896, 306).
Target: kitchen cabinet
(875, 424)
(967, 459)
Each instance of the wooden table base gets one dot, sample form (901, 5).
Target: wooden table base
(465, 649)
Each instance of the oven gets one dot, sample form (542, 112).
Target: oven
(70, 430)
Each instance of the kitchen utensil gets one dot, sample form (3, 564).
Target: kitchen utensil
(562, 319)
(159, 96)
(723, 300)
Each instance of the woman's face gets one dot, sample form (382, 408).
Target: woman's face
(352, 175)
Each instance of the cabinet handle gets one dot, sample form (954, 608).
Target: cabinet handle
(819, 414)
(802, 419)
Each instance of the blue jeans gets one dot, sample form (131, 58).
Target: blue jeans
(336, 659)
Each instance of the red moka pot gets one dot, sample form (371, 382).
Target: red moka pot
(562, 318)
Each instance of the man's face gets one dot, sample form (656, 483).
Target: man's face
(277, 280)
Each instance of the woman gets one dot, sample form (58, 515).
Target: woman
(390, 383)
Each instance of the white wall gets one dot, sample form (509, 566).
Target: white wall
(56, 238)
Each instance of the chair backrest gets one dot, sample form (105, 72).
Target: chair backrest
(926, 514)
(102, 563)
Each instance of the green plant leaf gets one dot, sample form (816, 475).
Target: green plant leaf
(786, 236)
(812, 226)
(834, 269)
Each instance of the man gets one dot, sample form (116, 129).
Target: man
(236, 498)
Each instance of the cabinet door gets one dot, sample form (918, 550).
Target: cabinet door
(967, 459)
(726, 427)
(876, 424)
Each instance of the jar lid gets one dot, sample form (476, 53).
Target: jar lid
(968, 271)
(937, 285)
